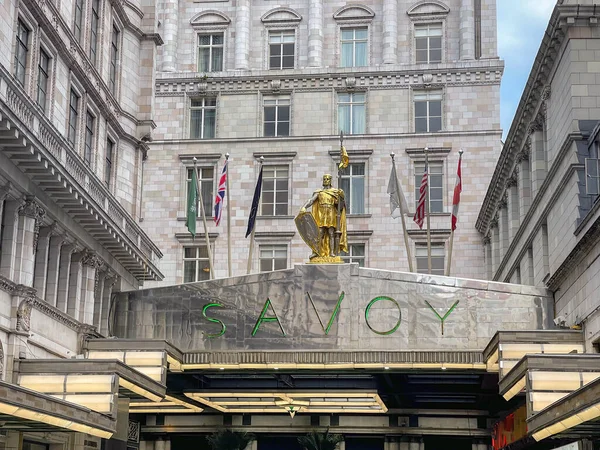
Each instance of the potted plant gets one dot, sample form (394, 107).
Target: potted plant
(320, 441)
(229, 440)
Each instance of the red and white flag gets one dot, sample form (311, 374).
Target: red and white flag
(456, 197)
(220, 197)
(420, 213)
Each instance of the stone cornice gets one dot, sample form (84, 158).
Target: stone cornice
(535, 93)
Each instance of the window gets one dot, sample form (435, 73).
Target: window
(110, 146)
(21, 52)
(73, 117)
(203, 118)
(195, 264)
(273, 257)
(356, 254)
(29, 445)
(89, 137)
(438, 253)
(351, 113)
(42, 82)
(436, 185)
(114, 58)
(277, 116)
(354, 47)
(281, 49)
(206, 176)
(275, 191)
(94, 30)
(210, 52)
(428, 43)
(428, 112)
(592, 172)
(353, 184)
(78, 19)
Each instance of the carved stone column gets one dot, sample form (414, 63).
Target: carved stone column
(75, 282)
(524, 181)
(242, 34)
(63, 276)
(30, 217)
(539, 162)
(41, 260)
(98, 295)
(487, 248)
(9, 239)
(467, 29)
(315, 33)
(51, 290)
(22, 305)
(109, 283)
(390, 31)
(495, 245)
(91, 263)
(170, 35)
(503, 226)
(514, 215)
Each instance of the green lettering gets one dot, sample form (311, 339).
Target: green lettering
(213, 320)
(370, 305)
(262, 318)
(443, 319)
(333, 315)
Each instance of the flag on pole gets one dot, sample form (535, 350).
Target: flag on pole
(420, 212)
(344, 158)
(398, 205)
(220, 195)
(255, 203)
(192, 204)
(456, 197)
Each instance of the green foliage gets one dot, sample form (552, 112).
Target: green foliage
(229, 440)
(320, 441)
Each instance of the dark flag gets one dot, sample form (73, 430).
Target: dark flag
(255, 202)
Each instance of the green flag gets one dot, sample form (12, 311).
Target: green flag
(192, 204)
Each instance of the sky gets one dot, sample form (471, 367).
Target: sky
(521, 25)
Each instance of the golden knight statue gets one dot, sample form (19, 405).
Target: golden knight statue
(324, 228)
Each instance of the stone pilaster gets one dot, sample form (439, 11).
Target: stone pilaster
(539, 161)
(51, 290)
(524, 182)
(41, 260)
(90, 264)
(9, 239)
(487, 251)
(75, 282)
(63, 276)
(98, 295)
(514, 215)
(495, 245)
(109, 283)
(170, 28)
(503, 226)
(315, 33)
(390, 31)
(467, 30)
(242, 34)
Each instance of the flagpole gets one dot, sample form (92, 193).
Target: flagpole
(460, 153)
(228, 217)
(402, 212)
(249, 268)
(201, 201)
(427, 212)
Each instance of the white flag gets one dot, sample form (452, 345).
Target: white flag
(398, 205)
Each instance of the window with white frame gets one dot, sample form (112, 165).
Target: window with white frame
(195, 264)
(42, 81)
(108, 161)
(210, 52)
(281, 49)
(438, 255)
(206, 179)
(354, 44)
(352, 113)
(435, 183)
(90, 121)
(78, 20)
(272, 257)
(94, 27)
(203, 113)
(114, 58)
(276, 116)
(592, 172)
(353, 185)
(428, 43)
(275, 191)
(21, 51)
(73, 117)
(428, 112)
(355, 254)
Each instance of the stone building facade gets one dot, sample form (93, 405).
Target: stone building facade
(256, 79)
(541, 213)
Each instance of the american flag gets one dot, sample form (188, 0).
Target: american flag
(420, 213)
(456, 196)
(220, 195)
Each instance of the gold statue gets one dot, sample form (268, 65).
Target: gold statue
(324, 229)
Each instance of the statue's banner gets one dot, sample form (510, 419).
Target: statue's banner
(332, 307)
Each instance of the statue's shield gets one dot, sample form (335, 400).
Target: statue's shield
(308, 229)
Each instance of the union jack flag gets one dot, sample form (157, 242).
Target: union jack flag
(420, 212)
(220, 195)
